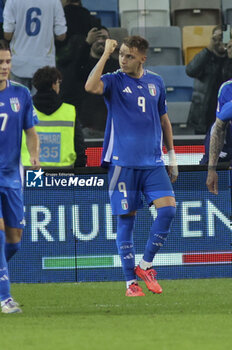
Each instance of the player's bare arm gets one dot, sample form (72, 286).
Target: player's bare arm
(32, 141)
(94, 83)
(216, 145)
(168, 141)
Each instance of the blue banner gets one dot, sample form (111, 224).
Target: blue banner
(70, 231)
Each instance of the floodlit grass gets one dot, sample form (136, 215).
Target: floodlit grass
(190, 314)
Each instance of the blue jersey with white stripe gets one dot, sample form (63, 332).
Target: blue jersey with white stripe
(133, 135)
(16, 113)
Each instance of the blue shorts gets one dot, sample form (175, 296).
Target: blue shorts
(126, 185)
(11, 207)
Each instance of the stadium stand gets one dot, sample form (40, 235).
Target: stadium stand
(195, 12)
(144, 13)
(107, 11)
(118, 33)
(194, 39)
(227, 11)
(179, 86)
(165, 46)
(178, 114)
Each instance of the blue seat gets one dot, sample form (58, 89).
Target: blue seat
(165, 45)
(107, 11)
(179, 86)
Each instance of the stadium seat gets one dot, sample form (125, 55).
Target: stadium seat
(195, 38)
(195, 12)
(107, 11)
(118, 33)
(227, 11)
(178, 114)
(165, 46)
(144, 13)
(179, 86)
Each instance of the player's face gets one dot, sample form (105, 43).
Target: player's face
(131, 60)
(5, 65)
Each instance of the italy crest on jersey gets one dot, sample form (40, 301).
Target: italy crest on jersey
(152, 89)
(15, 106)
(124, 204)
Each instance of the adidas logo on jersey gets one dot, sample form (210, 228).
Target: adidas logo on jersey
(127, 90)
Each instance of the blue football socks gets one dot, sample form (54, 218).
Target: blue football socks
(125, 245)
(4, 277)
(11, 249)
(159, 231)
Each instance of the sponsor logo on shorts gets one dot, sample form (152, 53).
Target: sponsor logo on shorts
(23, 222)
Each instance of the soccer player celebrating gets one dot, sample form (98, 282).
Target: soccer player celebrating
(224, 116)
(16, 114)
(136, 123)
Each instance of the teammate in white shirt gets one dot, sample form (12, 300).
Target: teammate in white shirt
(30, 26)
(136, 124)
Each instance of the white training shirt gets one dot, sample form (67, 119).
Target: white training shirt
(34, 23)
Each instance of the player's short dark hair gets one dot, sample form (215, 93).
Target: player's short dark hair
(45, 77)
(136, 41)
(4, 45)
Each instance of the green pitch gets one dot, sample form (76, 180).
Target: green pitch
(190, 314)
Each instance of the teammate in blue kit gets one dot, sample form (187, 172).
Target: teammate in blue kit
(224, 117)
(136, 123)
(16, 114)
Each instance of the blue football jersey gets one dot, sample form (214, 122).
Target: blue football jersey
(16, 113)
(133, 135)
(224, 107)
